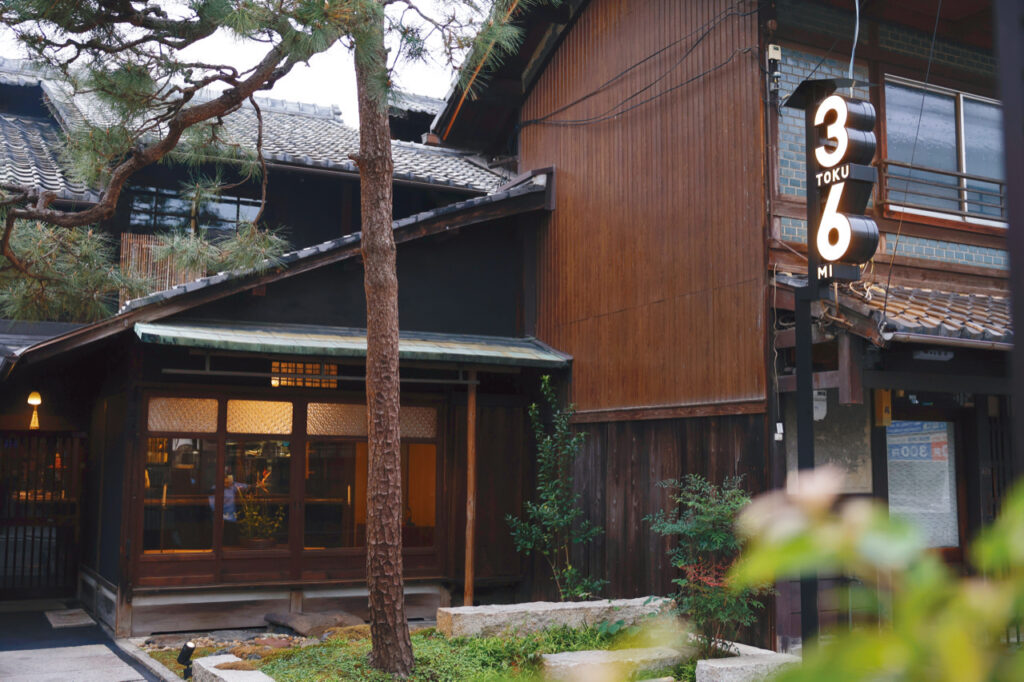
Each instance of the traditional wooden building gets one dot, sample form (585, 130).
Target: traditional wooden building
(660, 254)
(668, 265)
(199, 459)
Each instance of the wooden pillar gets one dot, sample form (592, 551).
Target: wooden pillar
(467, 595)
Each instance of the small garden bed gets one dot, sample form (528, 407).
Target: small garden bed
(512, 657)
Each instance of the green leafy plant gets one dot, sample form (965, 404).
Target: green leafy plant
(258, 518)
(553, 523)
(70, 275)
(922, 620)
(707, 546)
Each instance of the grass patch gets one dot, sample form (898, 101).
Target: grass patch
(438, 658)
(169, 658)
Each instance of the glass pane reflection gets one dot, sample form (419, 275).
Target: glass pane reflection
(256, 485)
(179, 477)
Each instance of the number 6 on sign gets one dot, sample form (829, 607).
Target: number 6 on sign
(834, 230)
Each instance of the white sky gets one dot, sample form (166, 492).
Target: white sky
(329, 78)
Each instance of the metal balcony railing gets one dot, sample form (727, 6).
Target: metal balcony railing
(942, 193)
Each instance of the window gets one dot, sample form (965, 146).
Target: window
(305, 374)
(154, 209)
(945, 153)
(336, 476)
(247, 499)
(179, 483)
(921, 461)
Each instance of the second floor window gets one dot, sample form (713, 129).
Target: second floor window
(944, 153)
(154, 209)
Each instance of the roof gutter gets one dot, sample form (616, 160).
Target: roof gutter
(982, 344)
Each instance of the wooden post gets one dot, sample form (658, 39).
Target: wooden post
(467, 595)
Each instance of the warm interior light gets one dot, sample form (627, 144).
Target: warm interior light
(35, 400)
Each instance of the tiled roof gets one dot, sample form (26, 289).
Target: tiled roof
(16, 335)
(920, 312)
(420, 104)
(935, 312)
(533, 185)
(30, 156)
(294, 133)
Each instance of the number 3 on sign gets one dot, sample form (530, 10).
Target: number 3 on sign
(835, 131)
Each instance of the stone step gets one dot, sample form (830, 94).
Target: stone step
(607, 666)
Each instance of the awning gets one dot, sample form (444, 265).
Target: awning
(309, 340)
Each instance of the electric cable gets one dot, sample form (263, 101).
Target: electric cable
(913, 154)
(608, 117)
(703, 30)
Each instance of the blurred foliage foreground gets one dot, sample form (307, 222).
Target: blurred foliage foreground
(921, 620)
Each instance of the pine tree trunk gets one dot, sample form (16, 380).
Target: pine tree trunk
(392, 649)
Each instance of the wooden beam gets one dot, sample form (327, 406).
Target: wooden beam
(947, 383)
(670, 412)
(787, 384)
(467, 595)
(787, 337)
(851, 389)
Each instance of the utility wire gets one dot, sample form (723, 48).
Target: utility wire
(610, 116)
(704, 30)
(856, 36)
(913, 154)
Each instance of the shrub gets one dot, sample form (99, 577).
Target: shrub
(552, 524)
(703, 527)
(929, 622)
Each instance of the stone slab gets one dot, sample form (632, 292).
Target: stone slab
(87, 663)
(610, 666)
(313, 624)
(69, 618)
(744, 668)
(205, 670)
(497, 619)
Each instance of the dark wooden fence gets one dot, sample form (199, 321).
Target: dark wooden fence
(39, 512)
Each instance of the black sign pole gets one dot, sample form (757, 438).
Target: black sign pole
(841, 171)
(804, 365)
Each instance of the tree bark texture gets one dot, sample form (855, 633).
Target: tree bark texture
(392, 648)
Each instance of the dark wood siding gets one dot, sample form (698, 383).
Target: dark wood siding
(467, 283)
(617, 475)
(651, 266)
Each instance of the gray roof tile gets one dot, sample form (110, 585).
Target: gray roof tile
(295, 133)
(30, 157)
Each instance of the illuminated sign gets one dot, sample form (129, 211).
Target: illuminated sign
(845, 180)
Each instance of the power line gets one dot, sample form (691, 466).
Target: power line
(609, 116)
(704, 30)
(913, 154)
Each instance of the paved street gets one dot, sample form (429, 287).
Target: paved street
(33, 651)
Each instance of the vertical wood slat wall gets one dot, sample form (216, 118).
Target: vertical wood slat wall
(651, 267)
(617, 474)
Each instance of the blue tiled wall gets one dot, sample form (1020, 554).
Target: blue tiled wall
(837, 23)
(797, 66)
(795, 230)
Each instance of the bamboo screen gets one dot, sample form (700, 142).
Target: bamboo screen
(137, 261)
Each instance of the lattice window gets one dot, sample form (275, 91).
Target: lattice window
(338, 419)
(182, 415)
(259, 416)
(303, 374)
